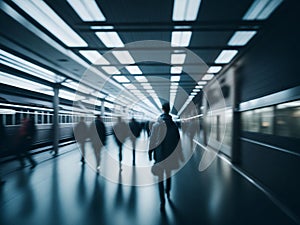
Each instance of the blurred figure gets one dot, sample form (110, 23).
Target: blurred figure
(120, 132)
(135, 129)
(164, 139)
(98, 138)
(2, 142)
(25, 139)
(80, 132)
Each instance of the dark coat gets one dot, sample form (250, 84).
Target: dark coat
(164, 138)
(81, 131)
(98, 134)
(120, 132)
(135, 129)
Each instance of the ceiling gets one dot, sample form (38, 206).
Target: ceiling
(145, 28)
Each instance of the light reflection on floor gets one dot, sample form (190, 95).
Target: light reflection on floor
(63, 191)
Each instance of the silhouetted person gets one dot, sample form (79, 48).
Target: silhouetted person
(25, 140)
(81, 132)
(163, 141)
(135, 129)
(98, 138)
(120, 132)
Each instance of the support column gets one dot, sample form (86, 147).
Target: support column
(102, 108)
(55, 119)
(236, 121)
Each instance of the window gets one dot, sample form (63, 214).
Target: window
(282, 120)
(287, 120)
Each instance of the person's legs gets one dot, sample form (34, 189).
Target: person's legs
(168, 187)
(82, 145)
(120, 153)
(29, 157)
(133, 152)
(161, 192)
(97, 156)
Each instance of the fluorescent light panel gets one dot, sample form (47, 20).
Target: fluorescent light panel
(26, 84)
(45, 16)
(101, 27)
(182, 27)
(141, 78)
(130, 86)
(133, 69)
(226, 56)
(110, 39)
(261, 9)
(177, 58)
(241, 38)
(111, 69)
(28, 67)
(121, 79)
(123, 57)
(94, 57)
(176, 69)
(181, 38)
(214, 69)
(186, 10)
(87, 10)
(175, 78)
(208, 77)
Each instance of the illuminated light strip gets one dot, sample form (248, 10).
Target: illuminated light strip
(226, 56)
(45, 16)
(186, 10)
(25, 84)
(94, 57)
(123, 57)
(261, 9)
(87, 10)
(181, 38)
(110, 39)
(241, 38)
(27, 67)
(192, 117)
(25, 107)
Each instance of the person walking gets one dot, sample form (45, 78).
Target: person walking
(80, 132)
(25, 140)
(164, 139)
(98, 138)
(135, 129)
(120, 132)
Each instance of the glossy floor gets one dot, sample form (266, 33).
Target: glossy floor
(63, 191)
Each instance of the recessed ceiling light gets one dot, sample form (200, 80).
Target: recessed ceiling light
(226, 56)
(176, 69)
(181, 38)
(186, 10)
(44, 15)
(111, 69)
(87, 10)
(123, 57)
(110, 39)
(207, 77)
(94, 57)
(175, 78)
(214, 69)
(121, 79)
(241, 38)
